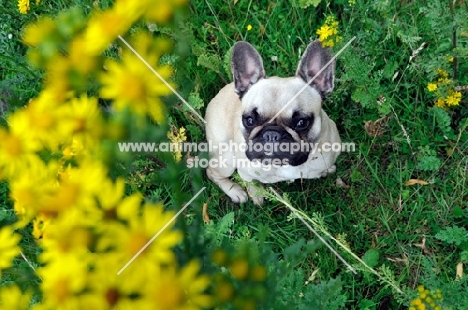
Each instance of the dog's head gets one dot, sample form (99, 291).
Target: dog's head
(281, 114)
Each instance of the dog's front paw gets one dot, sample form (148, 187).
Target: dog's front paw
(325, 173)
(237, 194)
(255, 194)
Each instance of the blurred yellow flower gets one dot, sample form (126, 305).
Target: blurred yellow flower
(426, 299)
(179, 290)
(132, 85)
(62, 280)
(249, 27)
(109, 290)
(86, 225)
(129, 239)
(83, 121)
(11, 297)
(258, 273)
(8, 247)
(63, 238)
(18, 146)
(39, 31)
(161, 11)
(40, 224)
(440, 103)
(239, 268)
(103, 28)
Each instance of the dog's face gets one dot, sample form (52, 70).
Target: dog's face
(281, 115)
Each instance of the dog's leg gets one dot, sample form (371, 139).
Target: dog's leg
(255, 194)
(325, 173)
(221, 176)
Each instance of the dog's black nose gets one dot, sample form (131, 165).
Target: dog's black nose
(271, 136)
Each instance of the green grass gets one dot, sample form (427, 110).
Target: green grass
(376, 210)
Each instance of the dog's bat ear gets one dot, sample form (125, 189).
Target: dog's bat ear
(314, 59)
(246, 66)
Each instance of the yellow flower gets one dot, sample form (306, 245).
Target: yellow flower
(258, 273)
(18, 147)
(249, 27)
(432, 87)
(324, 32)
(109, 290)
(82, 120)
(129, 239)
(27, 189)
(65, 237)
(453, 98)
(239, 268)
(219, 257)
(62, 280)
(416, 302)
(442, 73)
(103, 28)
(328, 43)
(40, 224)
(11, 297)
(161, 11)
(133, 85)
(23, 6)
(440, 103)
(79, 59)
(8, 247)
(111, 204)
(177, 137)
(43, 117)
(224, 291)
(39, 31)
(178, 290)
(328, 33)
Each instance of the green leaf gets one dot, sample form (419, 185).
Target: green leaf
(366, 304)
(457, 212)
(306, 3)
(453, 235)
(212, 62)
(355, 175)
(371, 258)
(219, 230)
(227, 63)
(194, 131)
(443, 120)
(195, 101)
(429, 163)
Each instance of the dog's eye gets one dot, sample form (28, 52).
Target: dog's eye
(248, 121)
(302, 124)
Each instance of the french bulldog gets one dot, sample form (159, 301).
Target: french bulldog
(271, 129)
